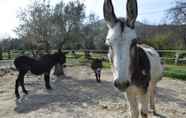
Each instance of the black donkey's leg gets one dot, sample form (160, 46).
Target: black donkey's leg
(47, 80)
(97, 76)
(17, 83)
(22, 83)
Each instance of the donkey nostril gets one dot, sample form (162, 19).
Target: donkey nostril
(116, 83)
(121, 85)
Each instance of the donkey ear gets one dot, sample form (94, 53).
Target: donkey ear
(132, 12)
(108, 12)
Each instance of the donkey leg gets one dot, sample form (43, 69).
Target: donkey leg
(22, 85)
(47, 80)
(97, 74)
(97, 78)
(16, 88)
(152, 90)
(17, 83)
(144, 105)
(134, 110)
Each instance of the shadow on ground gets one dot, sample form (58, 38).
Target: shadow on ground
(67, 93)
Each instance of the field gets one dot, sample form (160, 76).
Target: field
(78, 95)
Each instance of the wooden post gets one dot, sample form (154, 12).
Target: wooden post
(177, 58)
(9, 54)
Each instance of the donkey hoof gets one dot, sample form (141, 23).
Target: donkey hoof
(99, 81)
(49, 88)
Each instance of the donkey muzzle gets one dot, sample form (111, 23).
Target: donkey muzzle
(122, 86)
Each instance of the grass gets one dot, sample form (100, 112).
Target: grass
(106, 64)
(172, 71)
(175, 72)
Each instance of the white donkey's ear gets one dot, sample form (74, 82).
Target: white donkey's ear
(132, 12)
(108, 12)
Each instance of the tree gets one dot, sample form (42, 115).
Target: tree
(177, 14)
(94, 33)
(59, 31)
(68, 20)
(35, 25)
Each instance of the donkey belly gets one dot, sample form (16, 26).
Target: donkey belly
(39, 69)
(37, 72)
(156, 68)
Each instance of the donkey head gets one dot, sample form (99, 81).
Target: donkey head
(121, 34)
(60, 57)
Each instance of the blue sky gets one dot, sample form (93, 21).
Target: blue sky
(150, 11)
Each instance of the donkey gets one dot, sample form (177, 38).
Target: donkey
(43, 65)
(96, 66)
(136, 67)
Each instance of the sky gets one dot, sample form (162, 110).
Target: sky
(150, 11)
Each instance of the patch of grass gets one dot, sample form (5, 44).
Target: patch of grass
(175, 72)
(172, 71)
(106, 64)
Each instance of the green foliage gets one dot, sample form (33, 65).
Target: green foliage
(106, 64)
(161, 41)
(175, 72)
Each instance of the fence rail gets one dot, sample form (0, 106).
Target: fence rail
(6, 64)
(174, 56)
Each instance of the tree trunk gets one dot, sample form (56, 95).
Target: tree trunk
(58, 70)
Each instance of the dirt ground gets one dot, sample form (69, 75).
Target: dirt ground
(78, 95)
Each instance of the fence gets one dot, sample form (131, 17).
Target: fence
(74, 57)
(173, 56)
(6, 64)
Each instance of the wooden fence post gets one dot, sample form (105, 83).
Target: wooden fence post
(9, 54)
(177, 58)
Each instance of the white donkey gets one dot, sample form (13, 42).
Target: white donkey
(136, 67)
